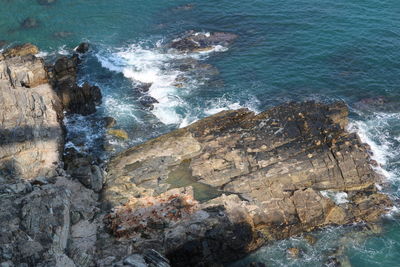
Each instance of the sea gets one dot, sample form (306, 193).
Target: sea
(295, 50)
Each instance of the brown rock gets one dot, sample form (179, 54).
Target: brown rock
(197, 42)
(293, 252)
(253, 177)
(118, 133)
(21, 50)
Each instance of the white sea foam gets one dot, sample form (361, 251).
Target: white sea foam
(375, 131)
(153, 65)
(337, 197)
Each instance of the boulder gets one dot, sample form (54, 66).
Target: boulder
(109, 122)
(197, 41)
(220, 188)
(82, 48)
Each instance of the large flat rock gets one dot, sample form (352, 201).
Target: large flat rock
(242, 176)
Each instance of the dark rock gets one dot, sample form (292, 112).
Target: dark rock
(82, 48)
(144, 87)
(148, 101)
(46, 2)
(30, 23)
(155, 259)
(3, 43)
(109, 122)
(62, 34)
(196, 41)
(257, 264)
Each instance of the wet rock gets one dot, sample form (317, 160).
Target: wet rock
(377, 104)
(3, 43)
(82, 48)
(62, 34)
(310, 239)
(81, 100)
(30, 23)
(46, 2)
(293, 252)
(75, 99)
(148, 101)
(250, 178)
(196, 41)
(144, 87)
(257, 264)
(109, 122)
(122, 134)
(21, 50)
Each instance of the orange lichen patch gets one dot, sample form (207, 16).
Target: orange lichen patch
(144, 216)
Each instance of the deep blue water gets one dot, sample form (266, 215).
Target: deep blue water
(286, 50)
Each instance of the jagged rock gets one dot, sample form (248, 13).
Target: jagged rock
(196, 41)
(30, 23)
(82, 48)
(27, 71)
(109, 122)
(75, 99)
(255, 177)
(148, 101)
(21, 50)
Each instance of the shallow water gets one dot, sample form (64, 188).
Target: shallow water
(287, 50)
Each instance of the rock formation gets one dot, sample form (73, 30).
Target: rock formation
(31, 138)
(223, 186)
(197, 42)
(208, 193)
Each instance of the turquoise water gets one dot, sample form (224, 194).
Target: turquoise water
(286, 50)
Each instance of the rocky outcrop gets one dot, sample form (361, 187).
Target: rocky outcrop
(75, 99)
(197, 41)
(223, 186)
(30, 132)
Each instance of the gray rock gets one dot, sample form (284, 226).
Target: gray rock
(135, 260)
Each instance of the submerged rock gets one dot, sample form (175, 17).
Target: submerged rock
(271, 171)
(196, 41)
(109, 122)
(46, 2)
(82, 48)
(62, 34)
(30, 23)
(122, 134)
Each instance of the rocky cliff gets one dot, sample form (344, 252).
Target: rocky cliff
(206, 194)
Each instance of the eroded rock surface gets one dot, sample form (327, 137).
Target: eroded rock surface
(30, 132)
(254, 178)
